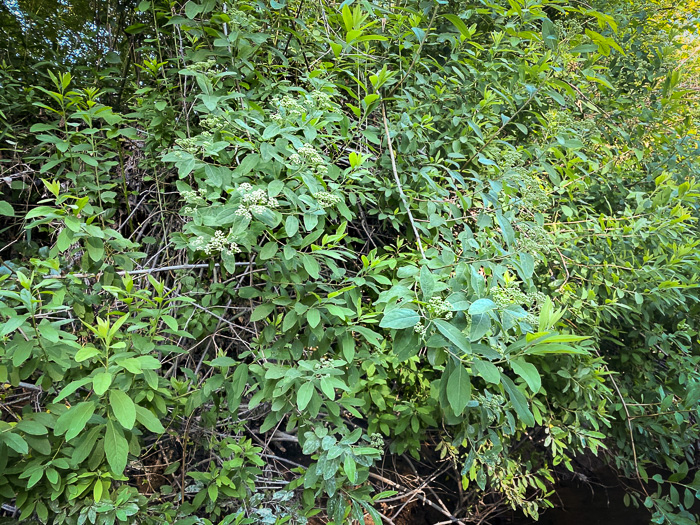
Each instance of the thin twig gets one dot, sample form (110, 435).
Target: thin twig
(629, 426)
(398, 182)
(143, 271)
(416, 55)
(419, 495)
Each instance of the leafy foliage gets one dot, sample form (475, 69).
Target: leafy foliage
(267, 248)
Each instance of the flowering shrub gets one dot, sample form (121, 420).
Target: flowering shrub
(325, 244)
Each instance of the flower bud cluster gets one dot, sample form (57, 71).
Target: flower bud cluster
(326, 199)
(218, 243)
(376, 440)
(189, 145)
(212, 122)
(510, 295)
(307, 154)
(202, 67)
(194, 197)
(534, 239)
(420, 329)
(493, 403)
(254, 201)
(437, 307)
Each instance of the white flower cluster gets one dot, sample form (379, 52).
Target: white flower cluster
(292, 106)
(212, 122)
(308, 155)
(254, 201)
(202, 66)
(326, 200)
(322, 100)
(218, 243)
(195, 145)
(437, 307)
(194, 197)
(420, 329)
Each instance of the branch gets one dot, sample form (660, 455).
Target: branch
(420, 496)
(398, 181)
(144, 271)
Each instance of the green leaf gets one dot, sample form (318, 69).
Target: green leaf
(192, 9)
(313, 317)
(15, 442)
(528, 372)
(519, 401)
(116, 448)
(460, 25)
(6, 209)
(12, 324)
(350, 469)
(400, 318)
(71, 388)
(101, 382)
(459, 389)
(506, 229)
(95, 248)
(86, 352)
(304, 394)
(454, 335)
(33, 428)
(148, 420)
(73, 421)
(268, 251)
(481, 324)
(481, 306)
(427, 283)
(123, 408)
(291, 226)
(261, 312)
(85, 444)
(488, 371)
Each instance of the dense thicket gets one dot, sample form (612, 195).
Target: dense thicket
(265, 261)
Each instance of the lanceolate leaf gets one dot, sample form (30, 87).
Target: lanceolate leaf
(519, 401)
(528, 372)
(116, 448)
(148, 420)
(454, 335)
(459, 389)
(123, 408)
(74, 420)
